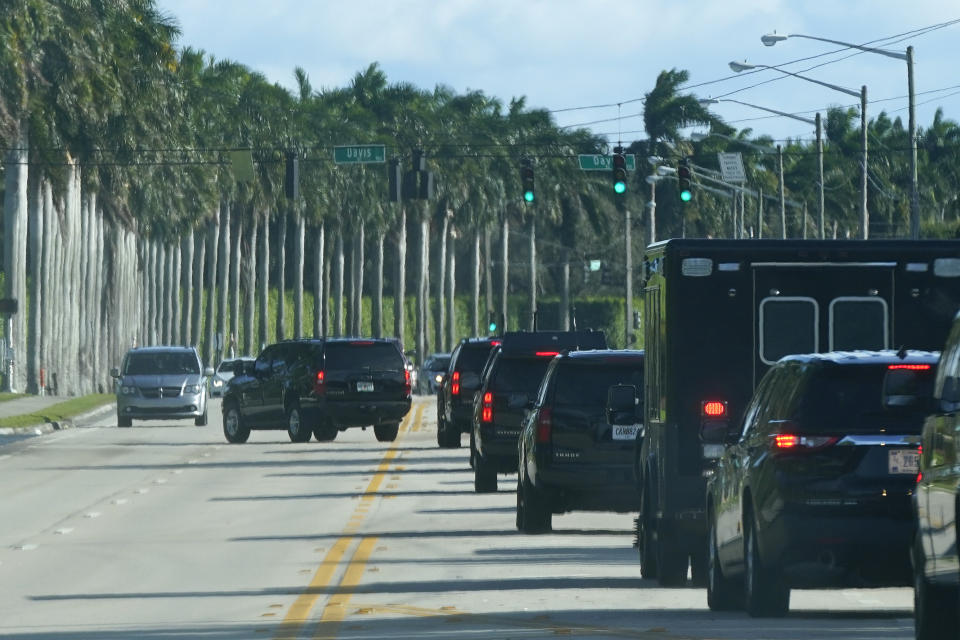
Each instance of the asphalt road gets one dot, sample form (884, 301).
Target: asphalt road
(164, 531)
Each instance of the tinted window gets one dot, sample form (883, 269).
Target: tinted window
(363, 355)
(438, 363)
(161, 362)
(587, 384)
(521, 375)
(228, 366)
(262, 365)
(851, 399)
(472, 358)
(858, 323)
(787, 326)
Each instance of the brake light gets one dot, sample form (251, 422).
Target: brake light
(495, 343)
(547, 354)
(786, 441)
(455, 384)
(406, 383)
(544, 424)
(910, 367)
(362, 343)
(320, 386)
(714, 409)
(789, 442)
(486, 411)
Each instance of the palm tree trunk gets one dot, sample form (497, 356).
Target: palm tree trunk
(49, 278)
(298, 247)
(15, 213)
(350, 250)
(199, 261)
(99, 273)
(319, 292)
(422, 292)
(327, 270)
(165, 302)
(177, 259)
(533, 273)
(505, 284)
(400, 281)
(264, 283)
(35, 233)
(488, 269)
(451, 291)
(249, 347)
(186, 335)
(441, 322)
(376, 311)
(209, 333)
(281, 279)
(475, 285)
(70, 347)
(223, 281)
(338, 286)
(236, 255)
(358, 260)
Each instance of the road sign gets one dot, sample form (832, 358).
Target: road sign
(731, 167)
(598, 162)
(360, 154)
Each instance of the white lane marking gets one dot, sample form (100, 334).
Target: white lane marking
(26, 547)
(160, 481)
(177, 471)
(4, 457)
(142, 491)
(205, 455)
(92, 514)
(64, 531)
(120, 501)
(192, 461)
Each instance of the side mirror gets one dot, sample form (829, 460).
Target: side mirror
(115, 373)
(622, 404)
(208, 372)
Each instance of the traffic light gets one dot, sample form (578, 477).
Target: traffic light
(619, 171)
(493, 324)
(526, 180)
(683, 181)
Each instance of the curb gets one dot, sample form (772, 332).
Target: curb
(43, 428)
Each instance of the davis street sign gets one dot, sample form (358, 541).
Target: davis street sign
(360, 154)
(596, 162)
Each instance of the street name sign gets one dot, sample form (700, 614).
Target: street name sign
(360, 154)
(598, 162)
(731, 167)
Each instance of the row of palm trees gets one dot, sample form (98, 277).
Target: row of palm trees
(127, 219)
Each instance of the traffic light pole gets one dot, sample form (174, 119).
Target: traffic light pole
(628, 260)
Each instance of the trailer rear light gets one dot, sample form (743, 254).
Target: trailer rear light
(910, 367)
(714, 409)
(320, 386)
(486, 410)
(547, 354)
(455, 384)
(544, 425)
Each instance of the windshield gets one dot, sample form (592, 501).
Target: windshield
(580, 384)
(519, 374)
(438, 363)
(161, 363)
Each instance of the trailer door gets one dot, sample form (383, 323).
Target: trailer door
(817, 307)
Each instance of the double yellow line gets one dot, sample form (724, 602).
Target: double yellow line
(336, 608)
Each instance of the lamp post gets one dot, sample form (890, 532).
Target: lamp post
(771, 39)
(864, 213)
(816, 122)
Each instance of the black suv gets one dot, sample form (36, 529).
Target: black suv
(508, 388)
(816, 488)
(571, 457)
(456, 395)
(319, 387)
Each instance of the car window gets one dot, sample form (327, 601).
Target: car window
(363, 354)
(586, 384)
(161, 363)
(228, 366)
(262, 363)
(518, 374)
(473, 357)
(755, 407)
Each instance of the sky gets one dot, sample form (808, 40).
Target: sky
(563, 55)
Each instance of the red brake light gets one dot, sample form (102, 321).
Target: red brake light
(714, 409)
(783, 442)
(786, 441)
(362, 343)
(455, 384)
(495, 343)
(320, 386)
(910, 367)
(544, 424)
(486, 412)
(547, 354)
(406, 382)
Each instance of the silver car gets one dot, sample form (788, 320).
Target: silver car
(226, 370)
(161, 383)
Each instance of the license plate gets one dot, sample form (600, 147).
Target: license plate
(903, 461)
(364, 386)
(625, 431)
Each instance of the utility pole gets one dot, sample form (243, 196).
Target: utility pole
(628, 327)
(914, 189)
(864, 213)
(783, 201)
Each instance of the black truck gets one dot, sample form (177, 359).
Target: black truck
(719, 313)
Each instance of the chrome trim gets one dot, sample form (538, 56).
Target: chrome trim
(882, 441)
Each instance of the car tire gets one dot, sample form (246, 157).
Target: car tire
(533, 513)
(297, 427)
(723, 593)
(647, 545)
(934, 608)
(233, 428)
(484, 475)
(201, 421)
(473, 451)
(325, 432)
(386, 432)
(123, 421)
(672, 561)
(766, 595)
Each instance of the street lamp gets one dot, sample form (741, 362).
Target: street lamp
(816, 122)
(771, 39)
(864, 213)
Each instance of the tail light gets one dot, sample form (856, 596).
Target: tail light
(547, 354)
(544, 424)
(406, 383)
(910, 367)
(714, 427)
(320, 386)
(486, 410)
(455, 384)
(713, 409)
(794, 443)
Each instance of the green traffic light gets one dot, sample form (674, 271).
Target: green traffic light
(528, 196)
(619, 187)
(493, 327)
(686, 196)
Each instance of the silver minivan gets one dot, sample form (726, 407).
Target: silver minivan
(162, 382)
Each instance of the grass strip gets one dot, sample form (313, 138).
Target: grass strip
(60, 411)
(6, 395)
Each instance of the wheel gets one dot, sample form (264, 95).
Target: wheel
(386, 432)
(233, 428)
(934, 608)
(646, 543)
(699, 566)
(484, 475)
(123, 421)
(533, 513)
(671, 561)
(766, 595)
(201, 421)
(723, 594)
(473, 451)
(325, 432)
(297, 428)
